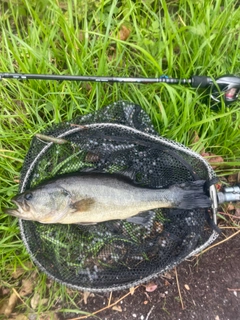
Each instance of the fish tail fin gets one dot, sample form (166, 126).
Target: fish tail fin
(194, 196)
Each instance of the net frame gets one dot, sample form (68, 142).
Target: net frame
(149, 133)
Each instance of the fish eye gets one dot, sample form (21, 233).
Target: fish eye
(28, 196)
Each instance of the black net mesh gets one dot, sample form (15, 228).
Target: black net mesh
(114, 254)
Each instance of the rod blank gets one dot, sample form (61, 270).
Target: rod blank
(26, 76)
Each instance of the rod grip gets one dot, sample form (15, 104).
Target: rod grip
(200, 81)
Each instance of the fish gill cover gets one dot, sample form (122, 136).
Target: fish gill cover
(115, 254)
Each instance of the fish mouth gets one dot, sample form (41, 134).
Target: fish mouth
(19, 211)
(13, 211)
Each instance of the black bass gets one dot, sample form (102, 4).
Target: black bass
(93, 198)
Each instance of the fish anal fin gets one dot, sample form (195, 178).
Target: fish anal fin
(83, 205)
(86, 223)
(144, 218)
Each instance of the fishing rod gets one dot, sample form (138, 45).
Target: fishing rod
(226, 87)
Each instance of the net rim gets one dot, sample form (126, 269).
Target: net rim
(151, 136)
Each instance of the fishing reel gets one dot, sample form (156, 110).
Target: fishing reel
(227, 88)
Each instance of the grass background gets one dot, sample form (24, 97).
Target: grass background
(178, 38)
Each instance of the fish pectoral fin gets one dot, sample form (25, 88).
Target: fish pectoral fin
(82, 205)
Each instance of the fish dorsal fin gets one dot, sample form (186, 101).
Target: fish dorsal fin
(82, 205)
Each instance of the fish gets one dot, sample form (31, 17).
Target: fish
(92, 198)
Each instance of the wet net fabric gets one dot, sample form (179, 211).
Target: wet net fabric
(115, 254)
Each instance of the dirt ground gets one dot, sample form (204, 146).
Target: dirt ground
(209, 286)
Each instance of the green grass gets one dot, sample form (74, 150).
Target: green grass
(177, 38)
